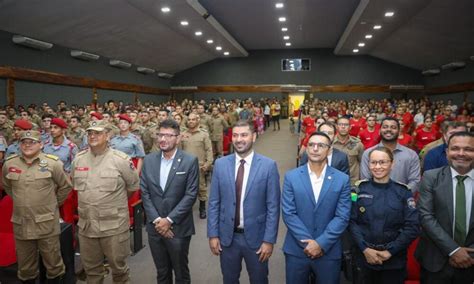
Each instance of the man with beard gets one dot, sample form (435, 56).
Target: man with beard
(446, 248)
(169, 183)
(406, 168)
(243, 216)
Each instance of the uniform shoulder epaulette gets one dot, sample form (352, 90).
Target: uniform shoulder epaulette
(203, 130)
(402, 184)
(11, 157)
(359, 182)
(121, 155)
(82, 152)
(52, 157)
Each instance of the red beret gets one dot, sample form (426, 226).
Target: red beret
(23, 124)
(125, 117)
(98, 115)
(59, 122)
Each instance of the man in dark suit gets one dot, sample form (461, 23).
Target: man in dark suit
(316, 208)
(336, 158)
(169, 183)
(446, 247)
(244, 208)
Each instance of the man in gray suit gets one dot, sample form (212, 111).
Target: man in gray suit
(169, 183)
(446, 248)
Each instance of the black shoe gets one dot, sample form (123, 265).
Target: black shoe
(57, 280)
(202, 209)
(31, 281)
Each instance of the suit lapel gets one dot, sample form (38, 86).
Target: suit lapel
(253, 172)
(307, 184)
(231, 173)
(158, 167)
(447, 186)
(328, 177)
(174, 167)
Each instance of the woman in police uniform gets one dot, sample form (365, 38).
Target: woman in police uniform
(384, 221)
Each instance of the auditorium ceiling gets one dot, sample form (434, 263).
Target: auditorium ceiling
(174, 35)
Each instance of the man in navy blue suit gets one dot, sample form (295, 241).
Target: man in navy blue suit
(244, 208)
(316, 208)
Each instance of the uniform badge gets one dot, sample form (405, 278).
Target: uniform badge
(28, 134)
(179, 160)
(94, 123)
(329, 177)
(43, 163)
(362, 209)
(411, 203)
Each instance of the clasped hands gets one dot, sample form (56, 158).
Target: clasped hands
(461, 258)
(264, 252)
(163, 227)
(313, 249)
(376, 257)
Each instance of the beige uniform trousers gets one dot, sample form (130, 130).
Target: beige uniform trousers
(27, 256)
(218, 147)
(202, 193)
(116, 248)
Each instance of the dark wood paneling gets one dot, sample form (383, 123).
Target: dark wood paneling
(278, 89)
(10, 92)
(61, 79)
(455, 88)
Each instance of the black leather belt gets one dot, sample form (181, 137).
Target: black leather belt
(239, 230)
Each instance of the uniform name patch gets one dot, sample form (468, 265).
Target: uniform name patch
(366, 196)
(82, 169)
(14, 170)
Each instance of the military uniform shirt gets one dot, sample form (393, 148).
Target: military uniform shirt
(66, 152)
(130, 145)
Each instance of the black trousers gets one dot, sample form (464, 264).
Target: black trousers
(170, 255)
(366, 275)
(448, 275)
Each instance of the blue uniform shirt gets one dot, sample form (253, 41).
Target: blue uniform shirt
(65, 152)
(130, 145)
(12, 149)
(45, 137)
(435, 158)
(384, 217)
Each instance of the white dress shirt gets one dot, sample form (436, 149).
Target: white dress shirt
(317, 182)
(247, 164)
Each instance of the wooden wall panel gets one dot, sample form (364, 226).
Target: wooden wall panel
(10, 92)
(455, 88)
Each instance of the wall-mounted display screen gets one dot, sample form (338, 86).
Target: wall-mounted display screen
(296, 64)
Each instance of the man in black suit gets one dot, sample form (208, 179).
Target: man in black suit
(336, 158)
(169, 183)
(446, 247)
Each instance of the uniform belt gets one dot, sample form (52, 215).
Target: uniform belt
(239, 230)
(379, 247)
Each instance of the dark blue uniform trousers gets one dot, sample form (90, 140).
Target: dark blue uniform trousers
(327, 271)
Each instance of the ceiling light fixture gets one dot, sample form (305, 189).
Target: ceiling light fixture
(377, 27)
(218, 47)
(145, 70)
(226, 53)
(284, 29)
(184, 23)
(279, 5)
(368, 36)
(198, 33)
(119, 64)
(84, 55)
(282, 19)
(286, 37)
(288, 44)
(355, 50)
(209, 41)
(389, 14)
(165, 9)
(361, 44)
(33, 43)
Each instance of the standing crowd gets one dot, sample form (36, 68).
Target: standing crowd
(373, 177)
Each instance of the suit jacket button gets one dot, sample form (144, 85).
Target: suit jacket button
(234, 203)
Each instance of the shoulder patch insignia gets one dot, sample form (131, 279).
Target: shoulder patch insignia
(11, 157)
(121, 155)
(52, 157)
(359, 182)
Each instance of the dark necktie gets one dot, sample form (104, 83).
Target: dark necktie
(460, 219)
(238, 192)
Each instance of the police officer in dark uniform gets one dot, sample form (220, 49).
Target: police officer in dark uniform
(384, 221)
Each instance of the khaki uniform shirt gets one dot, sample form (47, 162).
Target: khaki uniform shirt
(37, 191)
(204, 121)
(218, 125)
(102, 183)
(198, 144)
(354, 150)
(6, 131)
(76, 136)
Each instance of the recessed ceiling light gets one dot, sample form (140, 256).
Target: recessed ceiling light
(209, 41)
(198, 33)
(226, 53)
(218, 47)
(165, 9)
(286, 37)
(279, 5)
(288, 44)
(361, 44)
(282, 19)
(368, 36)
(389, 14)
(184, 23)
(377, 27)
(355, 50)
(284, 29)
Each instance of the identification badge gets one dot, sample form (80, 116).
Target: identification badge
(366, 196)
(82, 169)
(14, 170)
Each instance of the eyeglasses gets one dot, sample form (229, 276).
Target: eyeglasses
(165, 135)
(318, 145)
(382, 163)
(29, 142)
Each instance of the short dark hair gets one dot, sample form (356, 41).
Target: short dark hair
(453, 124)
(319, 133)
(343, 117)
(461, 134)
(245, 123)
(330, 124)
(47, 115)
(170, 124)
(389, 118)
(77, 118)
